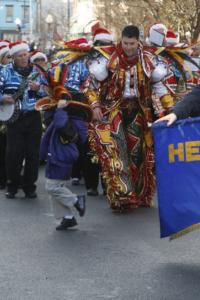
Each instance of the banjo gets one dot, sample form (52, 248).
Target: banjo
(9, 113)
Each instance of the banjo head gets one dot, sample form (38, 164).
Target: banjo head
(6, 111)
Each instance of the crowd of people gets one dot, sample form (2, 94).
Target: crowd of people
(88, 113)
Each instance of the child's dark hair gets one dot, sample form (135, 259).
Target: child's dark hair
(131, 31)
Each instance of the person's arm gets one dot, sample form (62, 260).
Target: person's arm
(40, 85)
(93, 100)
(188, 107)
(163, 100)
(171, 118)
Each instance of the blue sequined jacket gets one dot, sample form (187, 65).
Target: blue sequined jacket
(10, 81)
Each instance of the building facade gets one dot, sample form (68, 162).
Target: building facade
(19, 19)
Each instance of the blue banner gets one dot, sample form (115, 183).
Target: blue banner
(177, 157)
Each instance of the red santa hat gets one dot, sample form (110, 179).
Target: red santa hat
(79, 44)
(37, 55)
(4, 50)
(4, 43)
(17, 47)
(171, 37)
(102, 34)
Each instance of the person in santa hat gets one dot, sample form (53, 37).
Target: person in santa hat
(163, 41)
(39, 58)
(102, 37)
(103, 47)
(22, 84)
(5, 58)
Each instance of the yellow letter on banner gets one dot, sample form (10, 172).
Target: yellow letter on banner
(192, 151)
(179, 152)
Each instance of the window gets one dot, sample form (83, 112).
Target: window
(9, 13)
(25, 14)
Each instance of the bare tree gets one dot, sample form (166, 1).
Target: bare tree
(182, 15)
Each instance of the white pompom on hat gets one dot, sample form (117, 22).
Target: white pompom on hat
(79, 44)
(18, 46)
(38, 55)
(102, 34)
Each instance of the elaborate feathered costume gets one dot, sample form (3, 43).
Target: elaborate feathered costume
(122, 142)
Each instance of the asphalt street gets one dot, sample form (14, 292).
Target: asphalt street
(108, 256)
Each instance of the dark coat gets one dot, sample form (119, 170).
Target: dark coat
(190, 105)
(59, 151)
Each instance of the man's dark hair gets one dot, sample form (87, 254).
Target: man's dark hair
(131, 31)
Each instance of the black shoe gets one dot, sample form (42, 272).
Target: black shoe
(10, 195)
(92, 192)
(66, 223)
(31, 195)
(80, 205)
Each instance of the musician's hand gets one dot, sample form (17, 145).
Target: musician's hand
(62, 103)
(8, 99)
(97, 114)
(34, 86)
(171, 118)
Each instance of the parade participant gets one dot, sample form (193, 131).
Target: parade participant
(102, 37)
(172, 38)
(103, 47)
(124, 111)
(166, 47)
(5, 58)
(59, 149)
(72, 74)
(22, 83)
(188, 107)
(157, 35)
(39, 58)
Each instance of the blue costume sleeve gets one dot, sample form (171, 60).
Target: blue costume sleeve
(84, 71)
(2, 82)
(42, 80)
